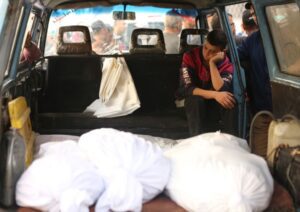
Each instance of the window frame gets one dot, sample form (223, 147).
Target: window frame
(276, 75)
(278, 43)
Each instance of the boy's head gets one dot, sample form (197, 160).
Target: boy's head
(216, 41)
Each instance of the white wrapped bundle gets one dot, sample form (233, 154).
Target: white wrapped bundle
(215, 172)
(61, 179)
(134, 170)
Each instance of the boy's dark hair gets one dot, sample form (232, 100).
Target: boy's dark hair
(218, 38)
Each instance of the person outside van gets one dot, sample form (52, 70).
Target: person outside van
(206, 83)
(173, 24)
(248, 23)
(30, 52)
(258, 82)
(119, 37)
(102, 37)
(215, 24)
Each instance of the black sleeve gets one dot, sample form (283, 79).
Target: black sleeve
(227, 78)
(186, 85)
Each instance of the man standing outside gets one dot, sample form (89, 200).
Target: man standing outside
(102, 38)
(119, 37)
(206, 83)
(173, 24)
(248, 23)
(258, 82)
(215, 24)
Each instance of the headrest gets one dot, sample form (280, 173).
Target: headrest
(147, 41)
(74, 40)
(190, 38)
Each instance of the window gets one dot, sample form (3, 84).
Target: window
(3, 8)
(10, 16)
(240, 24)
(285, 28)
(235, 16)
(111, 36)
(27, 32)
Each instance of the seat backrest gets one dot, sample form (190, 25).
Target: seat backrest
(73, 77)
(191, 38)
(74, 46)
(145, 40)
(72, 83)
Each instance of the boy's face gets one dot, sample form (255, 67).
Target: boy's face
(209, 51)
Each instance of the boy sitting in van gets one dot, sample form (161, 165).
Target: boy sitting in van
(206, 84)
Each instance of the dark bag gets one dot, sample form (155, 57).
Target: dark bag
(287, 169)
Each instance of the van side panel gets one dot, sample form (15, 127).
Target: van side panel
(286, 100)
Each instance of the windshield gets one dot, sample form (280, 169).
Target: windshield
(111, 36)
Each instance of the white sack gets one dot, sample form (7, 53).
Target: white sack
(62, 179)
(42, 139)
(218, 138)
(211, 175)
(134, 170)
(118, 95)
(163, 143)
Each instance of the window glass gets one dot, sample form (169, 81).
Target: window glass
(27, 32)
(145, 40)
(285, 28)
(235, 14)
(111, 36)
(240, 20)
(3, 8)
(193, 40)
(10, 17)
(73, 37)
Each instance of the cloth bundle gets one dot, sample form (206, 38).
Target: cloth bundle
(60, 179)
(134, 170)
(117, 95)
(116, 170)
(216, 172)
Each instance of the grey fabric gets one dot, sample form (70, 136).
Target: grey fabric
(172, 43)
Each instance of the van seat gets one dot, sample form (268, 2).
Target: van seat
(73, 77)
(186, 44)
(72, 47)
(155, 47)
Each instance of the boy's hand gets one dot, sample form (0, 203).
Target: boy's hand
(220, 56)
(225, 99)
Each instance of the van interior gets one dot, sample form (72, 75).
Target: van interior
(56, 89)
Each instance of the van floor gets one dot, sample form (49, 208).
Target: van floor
(281, 201)
(171, 124)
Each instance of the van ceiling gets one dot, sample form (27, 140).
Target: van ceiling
(54, 4)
